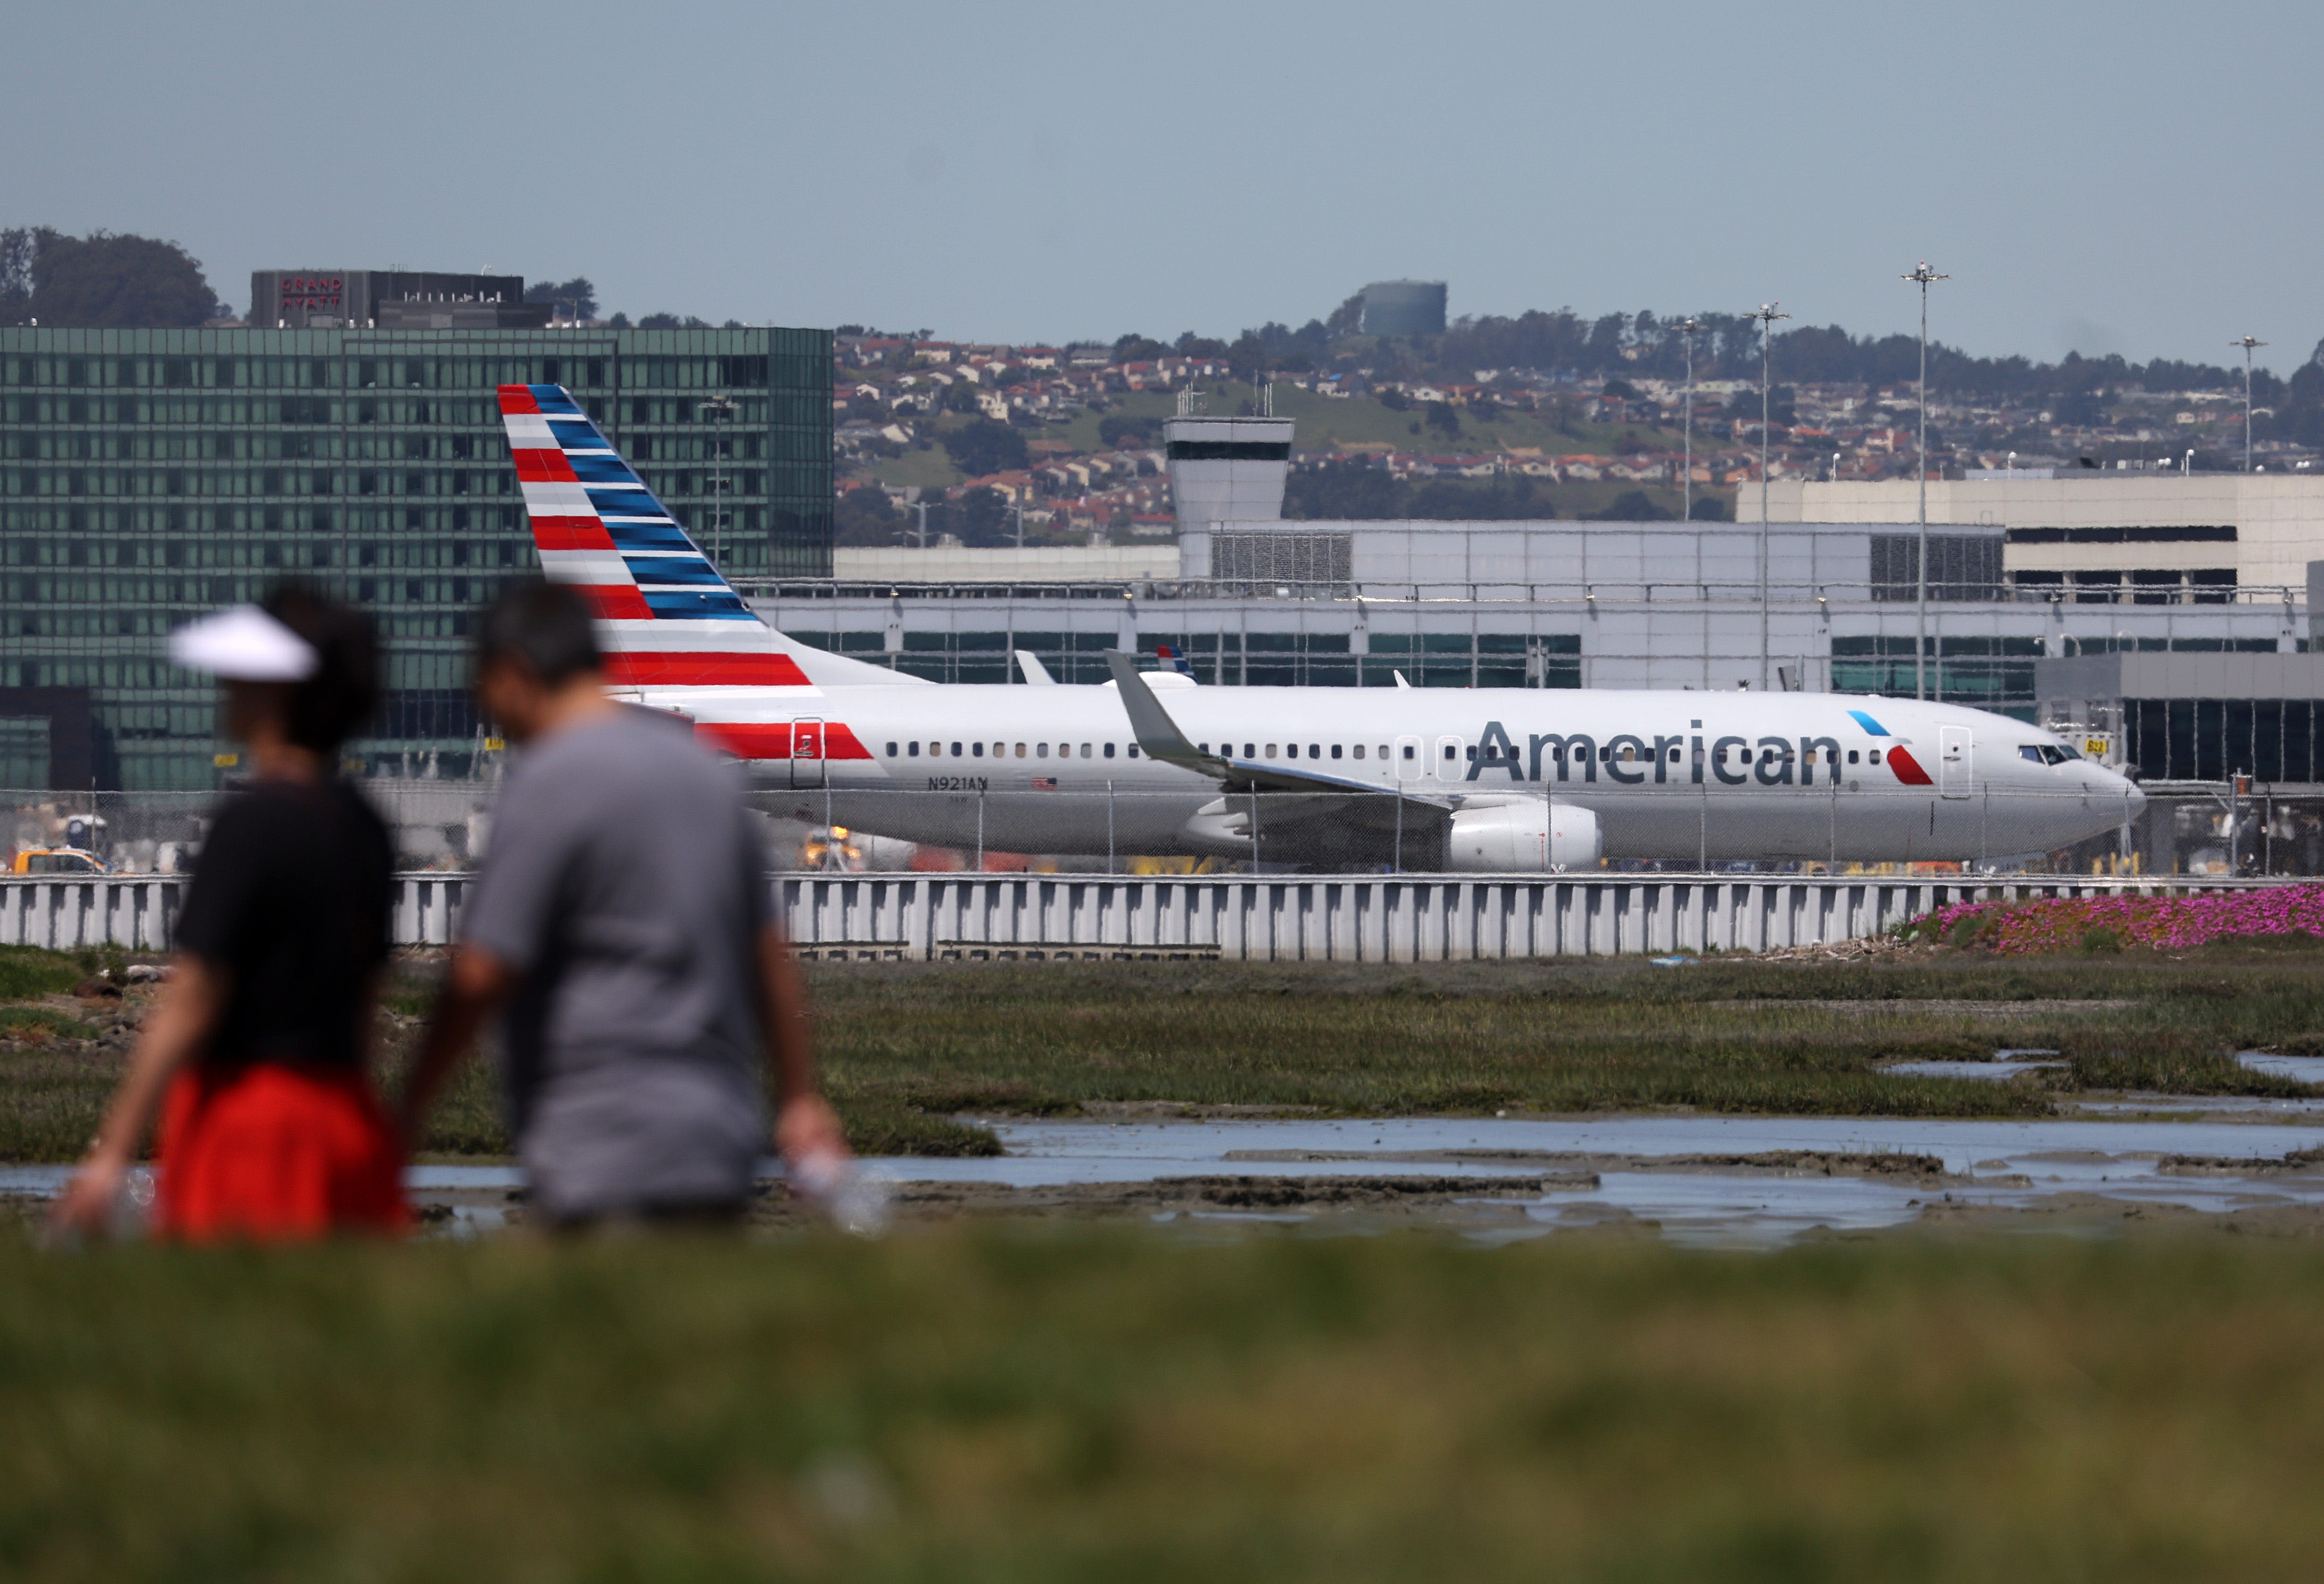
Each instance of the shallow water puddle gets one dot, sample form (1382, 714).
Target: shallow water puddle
(1747, 1181)
(1985, 1072)
(1997, 1165)
(2303, 1069)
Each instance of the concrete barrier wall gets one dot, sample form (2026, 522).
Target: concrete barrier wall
(133, 911)
(1362, 918)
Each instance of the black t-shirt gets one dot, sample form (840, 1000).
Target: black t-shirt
(290, 898)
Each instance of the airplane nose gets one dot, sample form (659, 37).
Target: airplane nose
(2133, 798)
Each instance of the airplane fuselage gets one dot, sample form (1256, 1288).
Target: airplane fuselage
(1668, 776)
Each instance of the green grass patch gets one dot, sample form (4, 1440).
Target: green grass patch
(26, 971)
(41, 1023)
(52, 1095)
(994, 1403)
(1725, 1035)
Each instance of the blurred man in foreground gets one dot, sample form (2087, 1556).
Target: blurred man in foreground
(620, 917)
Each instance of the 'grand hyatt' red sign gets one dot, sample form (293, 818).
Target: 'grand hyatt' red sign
(311, 292)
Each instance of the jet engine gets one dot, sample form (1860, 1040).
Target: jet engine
(1519, 839)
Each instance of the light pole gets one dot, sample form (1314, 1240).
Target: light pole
(2248, 343)
(1923, 275)
(1766, 316)
(1689, 328)
(725, 407)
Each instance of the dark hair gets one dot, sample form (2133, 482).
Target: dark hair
(545, 627)
(327, 707)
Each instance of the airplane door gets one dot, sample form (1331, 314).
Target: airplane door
(1448, 765)
(1952, 761)
(806, 751)
(1408, 766)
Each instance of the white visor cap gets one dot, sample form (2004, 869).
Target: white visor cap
(245, 644)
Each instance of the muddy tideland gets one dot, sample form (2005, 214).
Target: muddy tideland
(1688, 1178)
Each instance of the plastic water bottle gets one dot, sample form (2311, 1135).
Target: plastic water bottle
(856, 1200)
(132, 1207)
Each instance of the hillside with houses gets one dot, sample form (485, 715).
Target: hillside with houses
(983, 444)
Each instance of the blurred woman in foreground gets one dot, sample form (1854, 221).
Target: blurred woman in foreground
(257, 1053)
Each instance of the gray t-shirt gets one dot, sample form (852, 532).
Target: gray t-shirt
(625, 882)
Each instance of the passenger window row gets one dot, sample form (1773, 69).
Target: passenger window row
(911, 750)
(1292, 750)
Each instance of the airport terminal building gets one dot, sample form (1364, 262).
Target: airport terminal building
(1250, 597)
(149, 476)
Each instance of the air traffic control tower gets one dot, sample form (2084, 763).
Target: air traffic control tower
(1228, 469)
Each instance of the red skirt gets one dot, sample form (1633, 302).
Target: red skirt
(275, 1153)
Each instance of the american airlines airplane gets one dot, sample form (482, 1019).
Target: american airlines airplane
(1489, 781)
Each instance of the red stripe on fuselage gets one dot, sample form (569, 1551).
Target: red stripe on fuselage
(570, 533)
(681, 669)
(614, 602)
(1907, 768)
(772, 739)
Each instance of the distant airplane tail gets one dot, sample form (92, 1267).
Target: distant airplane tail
(666, 616)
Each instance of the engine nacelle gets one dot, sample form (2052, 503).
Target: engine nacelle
(1522, 838)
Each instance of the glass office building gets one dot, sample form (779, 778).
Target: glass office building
(147, 476)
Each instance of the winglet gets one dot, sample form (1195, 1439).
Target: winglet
(1035, 672)
(1158, 734)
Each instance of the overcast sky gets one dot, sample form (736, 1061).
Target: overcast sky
(2128, 177)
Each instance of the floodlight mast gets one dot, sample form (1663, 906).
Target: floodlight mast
(725, 407)
(2249, 344)
(1766, 316)
(1923, 275)
(1689, 328)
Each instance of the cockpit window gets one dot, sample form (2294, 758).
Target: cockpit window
(2045, 752)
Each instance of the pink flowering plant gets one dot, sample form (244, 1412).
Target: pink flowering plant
(2111, 922)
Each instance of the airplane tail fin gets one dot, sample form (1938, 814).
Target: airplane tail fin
(666, 616)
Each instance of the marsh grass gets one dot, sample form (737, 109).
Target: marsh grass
(40, 1023)
(26, 971)
(1729, 1035)
(1000, 1403)
(906, 1049)
(53, 1087)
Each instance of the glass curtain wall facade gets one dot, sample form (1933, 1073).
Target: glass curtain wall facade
(1246, 659)
(147, 476)
(2271, 740)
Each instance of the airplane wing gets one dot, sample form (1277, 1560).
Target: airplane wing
(1035, 672)
(1159, 738)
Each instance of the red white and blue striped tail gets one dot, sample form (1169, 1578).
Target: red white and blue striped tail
(665, 617)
